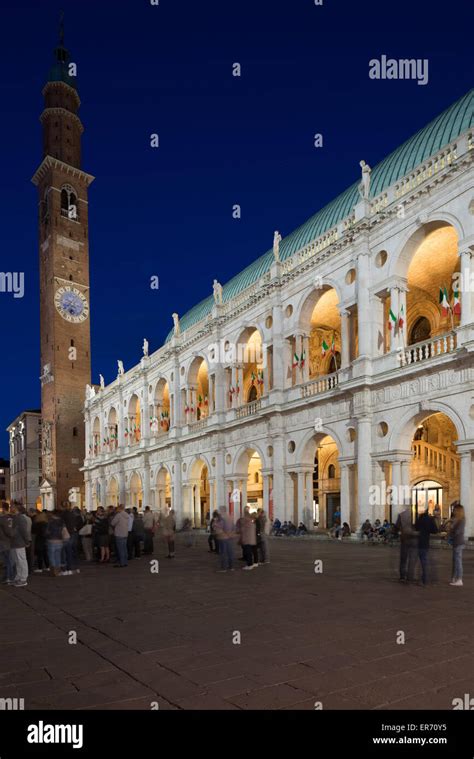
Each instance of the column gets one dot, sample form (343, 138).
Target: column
(88, 437)
(221, 492)
(308, 514)
(228, 502)
(345, 355)
(146, 487)
(287, 362)
(395, 490)
(364, 468)
(305, 349)
(212, 496)
(197, 504)
(240, 380)
(220, 388)
(145, 415)
(299, 353)
(394, 308)
(266, 493)
(121, 485)
(405, 475)
(210, 398)
(243, 490)
(345, 494)
(363, 305)
(233, 384)
(88, 494)
(466, 491)
(402, 313)
(301, 496)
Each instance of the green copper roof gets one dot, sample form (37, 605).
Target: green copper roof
(426, 142)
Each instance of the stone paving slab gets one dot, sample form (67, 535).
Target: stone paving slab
(304, 637)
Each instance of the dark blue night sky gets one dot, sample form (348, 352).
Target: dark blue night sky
(223, 140)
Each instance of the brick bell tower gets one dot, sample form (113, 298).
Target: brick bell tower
(64, 283)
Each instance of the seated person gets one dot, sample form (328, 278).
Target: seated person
(366, 529)
(301, 529)
(291, 528)
(276, 526)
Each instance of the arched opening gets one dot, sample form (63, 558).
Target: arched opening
(112, 430)
(196, 396)
(317, 484)
(135, 491)
(160, 410)
(248, 486)
(96, 447)
(317, 350)
(162, 493)
(199, 493)
(133, 422)
(430, 261)
(435, 467)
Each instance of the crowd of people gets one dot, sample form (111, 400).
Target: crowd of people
(33, 541)
(250, 532)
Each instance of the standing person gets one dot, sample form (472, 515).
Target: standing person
(100, 533)
(425, 526)
(19, 542)
(39, 528)
(458, 526)
(407, 544)
(30, 515)
(213, 540)
(149, 527)
(169, 527)
(248, 536)
(73, 521)
(6, 534)
(263, 532)
(437, 515)
(224, 529)
(129, 513)
(54, 537)
(120, 525)
(85, 534)
(138, 533)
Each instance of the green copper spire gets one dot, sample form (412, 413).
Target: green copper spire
(59, 71)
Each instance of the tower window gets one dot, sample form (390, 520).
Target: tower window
(69, 202)
(74, 431)
(72, 343)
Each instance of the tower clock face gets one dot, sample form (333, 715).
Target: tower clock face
(71, 304)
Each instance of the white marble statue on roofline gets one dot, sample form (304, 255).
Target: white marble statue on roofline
(102, 382)
(145, 347)
(121, 370)
(276, 245)
(177, 328)
(217, 290)
(364, 186)
(90, 392)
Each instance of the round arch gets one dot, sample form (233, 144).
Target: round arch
(400, 261)
(309, 299)
(402, 434)
(310, 442)
(135, 490)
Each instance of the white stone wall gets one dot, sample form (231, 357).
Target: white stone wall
(371, 413)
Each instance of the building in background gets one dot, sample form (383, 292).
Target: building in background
(4, 480)
(25, 458)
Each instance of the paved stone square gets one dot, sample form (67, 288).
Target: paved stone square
(305, 637)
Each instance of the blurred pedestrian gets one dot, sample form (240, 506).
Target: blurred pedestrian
(458, 525)
(225, 531)
(407, 544)
(120, 525)
(248, 537)
(425, 526)
(169, 529)
(149, 525)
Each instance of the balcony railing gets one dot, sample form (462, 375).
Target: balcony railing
(441, 461)
(249, 409)
(320, 385)
(435, 346)
(199, 425)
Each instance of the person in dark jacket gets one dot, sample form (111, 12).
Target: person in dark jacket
(73, 520)
(100, 534)
(20, 540)
(138, 532)
(425, 526)
(6, 534)
(54, 535)
(38, 530)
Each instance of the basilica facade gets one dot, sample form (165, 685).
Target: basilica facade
(336, 372)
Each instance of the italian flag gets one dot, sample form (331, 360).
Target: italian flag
(443, 299)
(325, 348)
(456, 303)
(401, 320)
(392, 320)
(295, 360)
(303, 359)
